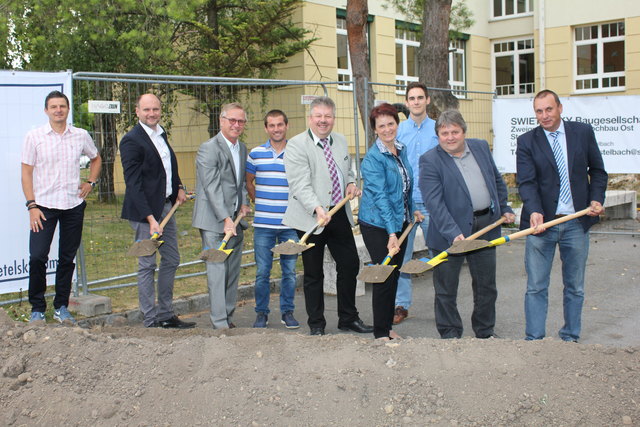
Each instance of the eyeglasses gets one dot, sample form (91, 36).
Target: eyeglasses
(233, 122)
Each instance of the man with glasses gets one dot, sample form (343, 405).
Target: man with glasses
(318, 168)
(222, 196)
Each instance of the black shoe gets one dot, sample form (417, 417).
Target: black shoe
(317, 331)
(494, 335)
(176, 323)
(153, 325)
(357, 326)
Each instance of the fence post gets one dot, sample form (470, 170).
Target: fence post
(82, 267)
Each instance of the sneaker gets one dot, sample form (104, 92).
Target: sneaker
(262, 320)
(289, 321)
(62, 315)
(36, 316)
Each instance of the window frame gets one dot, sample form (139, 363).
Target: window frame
(515, 53)
(529, 4)
(600, 75)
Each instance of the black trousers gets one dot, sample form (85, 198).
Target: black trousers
(383, 298)
(338, 236)
(39, 245)
(482, 266)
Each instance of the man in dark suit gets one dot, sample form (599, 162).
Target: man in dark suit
(152, 187)
(464, 192)
(222, 196)
(560, 172)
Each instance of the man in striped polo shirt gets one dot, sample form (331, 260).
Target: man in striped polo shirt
(268, 188)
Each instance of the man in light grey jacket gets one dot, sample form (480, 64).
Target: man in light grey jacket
(318, 168)
(222, 196)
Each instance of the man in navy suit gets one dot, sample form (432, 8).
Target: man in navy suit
(463, 192)
(152, 187)
(560, 172)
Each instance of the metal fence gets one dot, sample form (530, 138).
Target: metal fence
(191, 107)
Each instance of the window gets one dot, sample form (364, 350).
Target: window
(511, 8)
(407, 44)
(344, 62)
(600, 57)
(514, 71)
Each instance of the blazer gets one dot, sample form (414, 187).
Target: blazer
(382, 202)
(309, 179)
(145, 177)
(447, 197)
(538, 179)
(218, 189)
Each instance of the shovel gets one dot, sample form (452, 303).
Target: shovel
(150, 246)
(522, 233)
(417, 266)
(291, 248)
(220, 254)
(379, 273)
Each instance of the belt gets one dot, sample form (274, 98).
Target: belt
(560, 215)
(481, 212)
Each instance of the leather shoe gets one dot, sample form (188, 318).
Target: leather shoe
(153, 325)
(400, 314)
(231, 325)
(317, 331)
(357, 326)
(176, 323)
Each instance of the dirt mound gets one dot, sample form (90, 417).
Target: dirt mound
(132, 376)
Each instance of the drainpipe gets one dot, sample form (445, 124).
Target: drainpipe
(541, 45)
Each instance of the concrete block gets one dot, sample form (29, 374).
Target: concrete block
(620, 204)
(90, 305)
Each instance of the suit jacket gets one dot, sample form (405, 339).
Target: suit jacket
(218, 188)
(538, 179)
(447, 197)
(309, 179)
(144, 176)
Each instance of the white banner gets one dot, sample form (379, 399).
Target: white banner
(615, 120)
(22, 97)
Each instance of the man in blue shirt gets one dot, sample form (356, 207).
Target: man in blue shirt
(268, 187)
(418, 134)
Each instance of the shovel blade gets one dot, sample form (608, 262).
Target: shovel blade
(291, 248)
(215, 255)
(415, 267)
(375, 273)
(144, 247)
(464, 246)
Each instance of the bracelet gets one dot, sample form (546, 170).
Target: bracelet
(29, 202)
(34, 206)
(392, 235)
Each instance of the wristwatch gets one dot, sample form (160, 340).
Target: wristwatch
(93, 184)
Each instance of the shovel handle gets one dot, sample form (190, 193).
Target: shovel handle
(403, 236)
(228, 234)
(332, 212)
(531, 230)
(487, 228)
(166, 219)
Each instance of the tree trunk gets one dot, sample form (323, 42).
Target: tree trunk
(357, 11)
(106, 140)
(433, 55)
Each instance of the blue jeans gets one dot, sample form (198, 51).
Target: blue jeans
(264, 239)
(573, 242)
(404, 294)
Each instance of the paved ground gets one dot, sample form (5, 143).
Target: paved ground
(610, 316)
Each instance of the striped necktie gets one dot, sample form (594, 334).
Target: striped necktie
(333, 172)
(565, 188)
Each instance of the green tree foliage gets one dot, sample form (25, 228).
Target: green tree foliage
(232, 38)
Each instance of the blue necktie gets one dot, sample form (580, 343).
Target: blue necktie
(565, 188)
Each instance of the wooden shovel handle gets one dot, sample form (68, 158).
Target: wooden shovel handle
(403, 236)
(332, 212)
(228, 234)
(549, 224)
(487, 228)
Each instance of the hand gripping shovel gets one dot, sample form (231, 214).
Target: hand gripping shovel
(417, 266)
(379, 273)
(291, 248)
(522, 233)
(150, 246)
(220, 254)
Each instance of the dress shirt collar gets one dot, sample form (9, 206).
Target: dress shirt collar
(383, 148)
(560, 130)
(317, 140)
(49, 129)
(157, 132)
(231, 145)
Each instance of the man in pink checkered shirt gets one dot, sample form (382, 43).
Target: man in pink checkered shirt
(54, 193)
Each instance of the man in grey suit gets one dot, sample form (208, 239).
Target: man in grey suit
(222, 196)
(318, 168)
(463, 192)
